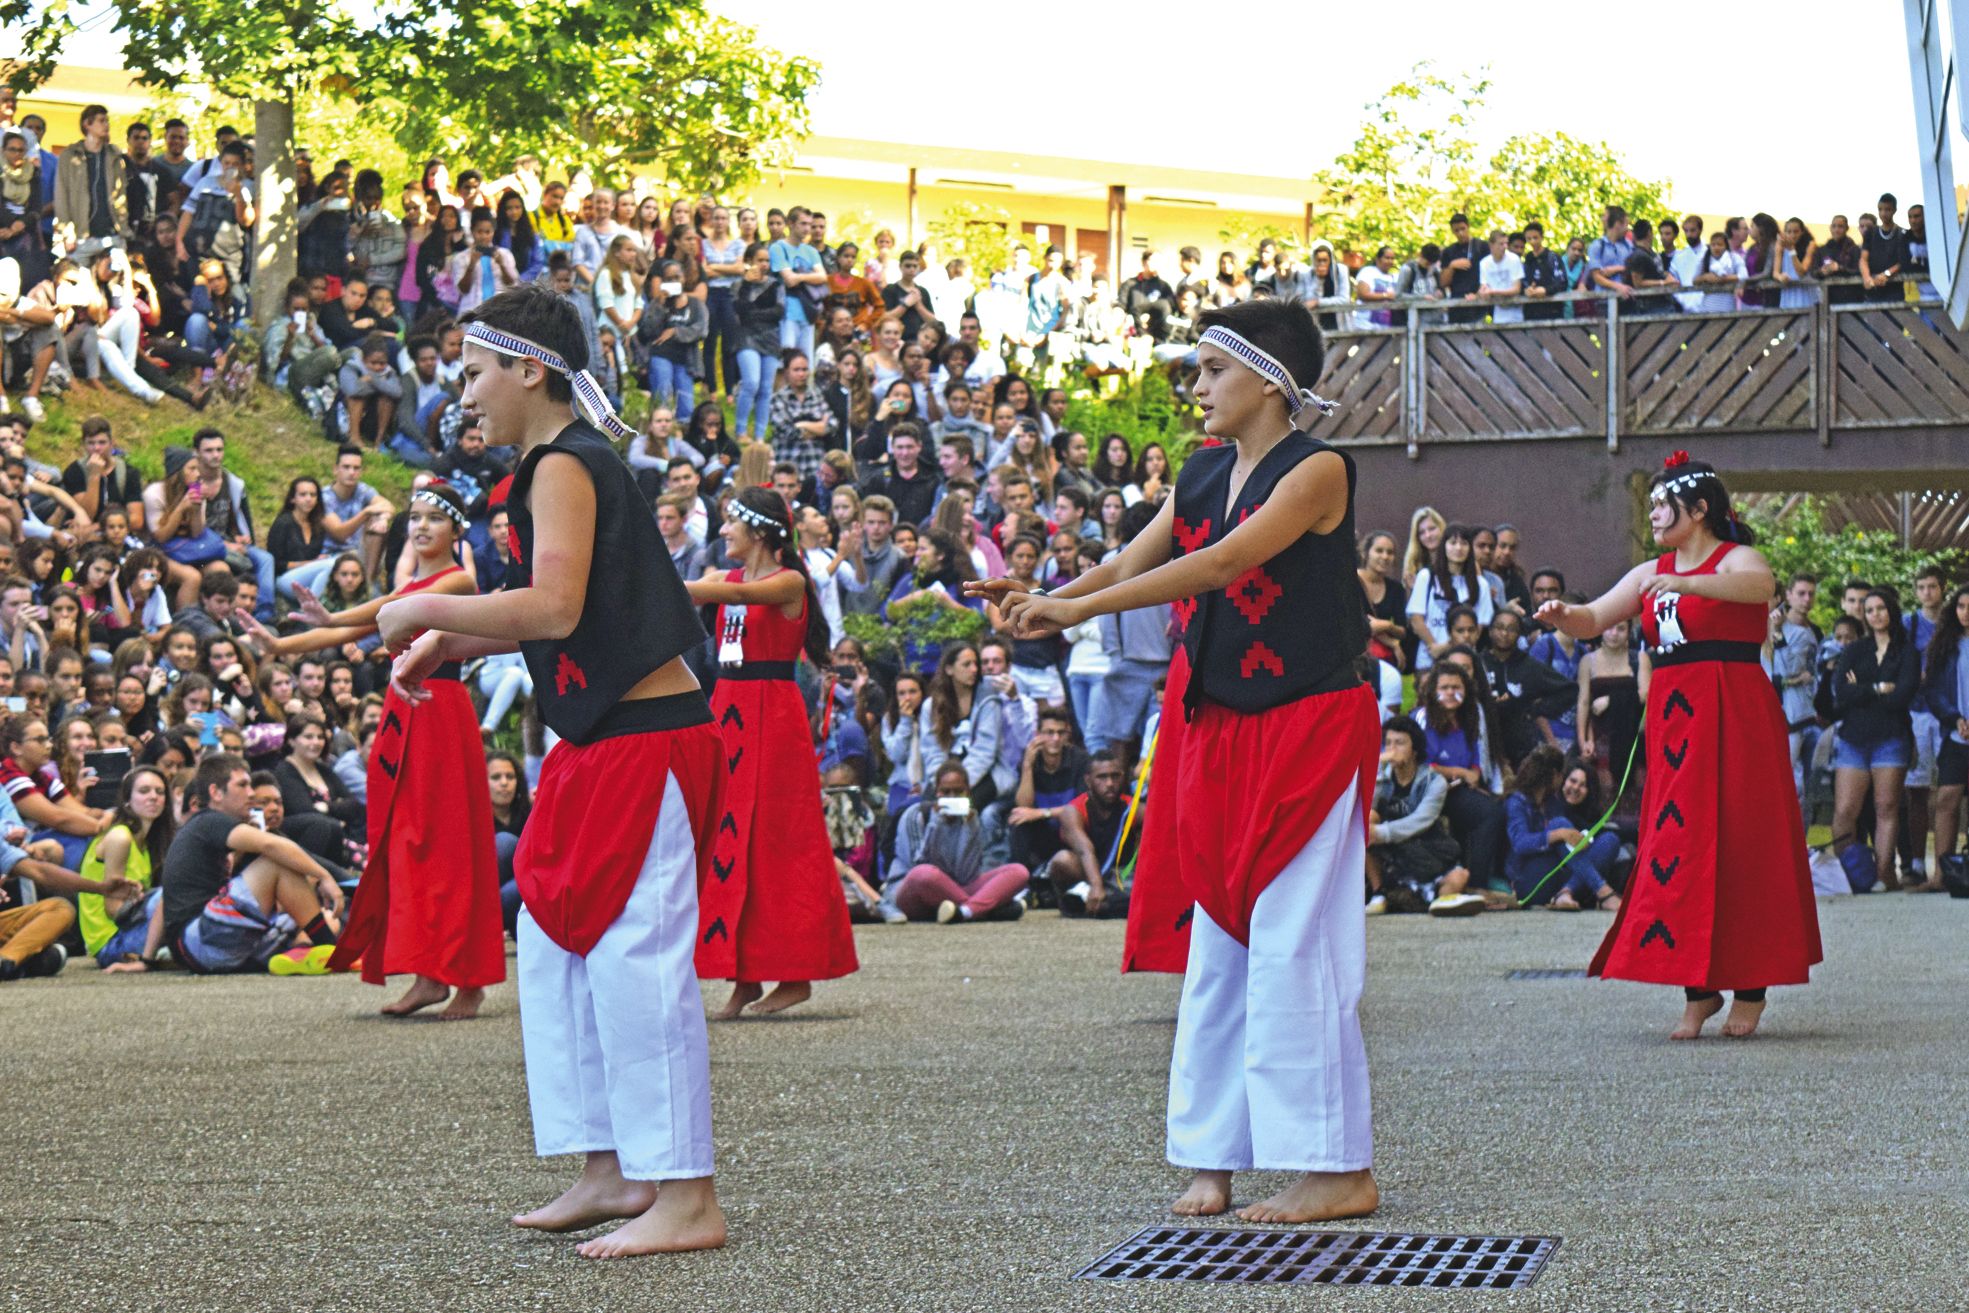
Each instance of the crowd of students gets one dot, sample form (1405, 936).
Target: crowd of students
(905, 415)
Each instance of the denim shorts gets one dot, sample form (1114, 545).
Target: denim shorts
(1888, 754)
(234, 933)
(1952, 764)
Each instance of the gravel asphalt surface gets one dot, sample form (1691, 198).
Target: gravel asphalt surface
(978, 1114)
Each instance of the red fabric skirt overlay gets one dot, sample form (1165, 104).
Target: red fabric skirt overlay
(428, 903)
(1159, 907)
(772, 908)
(1721, 894)
(1247, 792)
(592, 820)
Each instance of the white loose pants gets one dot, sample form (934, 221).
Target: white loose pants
(1269, 1070)
(616, 1051)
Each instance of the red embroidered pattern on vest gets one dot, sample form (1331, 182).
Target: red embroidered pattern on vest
(1253, 593)
(565, 673)
(1245, 514)
(1184, 609)
(513, 544)
(1257, 657)
(1187, 538)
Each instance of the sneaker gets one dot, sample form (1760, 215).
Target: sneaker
(890, 913)
(1074, 901)
(9, 969)
(302, 961)
(1377, 905)
(946, 912)
(1457, 905)
(32, 408)
(48, 962)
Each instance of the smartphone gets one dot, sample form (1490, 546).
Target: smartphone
(956, 808)
(14, 704)
(110, 765)
(258, 817)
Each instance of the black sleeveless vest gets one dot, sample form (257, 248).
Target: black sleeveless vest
(636, 615)
(1286, 629)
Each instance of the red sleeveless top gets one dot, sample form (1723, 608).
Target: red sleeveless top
(1668, 620)
(769, 635)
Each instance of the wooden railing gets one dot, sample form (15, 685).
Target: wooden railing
(1815, 369)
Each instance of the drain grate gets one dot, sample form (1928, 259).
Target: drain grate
(1331, 1258)
(1546, 973)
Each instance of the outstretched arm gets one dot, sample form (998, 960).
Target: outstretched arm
(1149, 549)
(1621, 602)
(781, 589)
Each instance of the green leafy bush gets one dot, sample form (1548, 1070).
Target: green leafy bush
(1146, 409)
(1798, 542)
(925, 622)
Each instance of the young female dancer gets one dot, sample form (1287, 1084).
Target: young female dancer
(428, 904)
(774, 909)
(1269, 773)
(1721, 896)
(617, 1061)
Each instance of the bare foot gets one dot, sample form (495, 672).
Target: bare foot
(590, 1201)
(743, 993)
(684, 1216)
(1695, 1014)
(422, 994)
(1209, 1194)
(1743, 1018)
(1611, 903)
(788, 993)
(1319, 1197)
(464, 1005)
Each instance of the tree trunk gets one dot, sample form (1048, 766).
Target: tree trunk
(275, 233)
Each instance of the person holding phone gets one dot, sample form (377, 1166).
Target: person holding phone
(938, 873)
(779, 913)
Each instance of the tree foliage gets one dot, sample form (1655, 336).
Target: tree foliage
(1419, 159)
(981, 234)
(611, 84)
(1795, 540)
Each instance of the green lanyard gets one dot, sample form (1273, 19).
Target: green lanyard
(1589, 836)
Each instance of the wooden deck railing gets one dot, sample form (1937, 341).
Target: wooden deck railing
(1820, 369)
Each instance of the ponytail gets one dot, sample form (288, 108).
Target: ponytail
(817, 648)
(767, 514)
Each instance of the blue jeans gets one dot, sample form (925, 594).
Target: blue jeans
(1122, 700)
(1080, 692)
(263, 575)
(131, 939)
(201, 334)
(502, 679)
(797, 332)
(1584, 876)
(313, 576)
(409, 450)
(504, 845)
(668, 378)
(1895, 753)
(755, 388)
(720, 344)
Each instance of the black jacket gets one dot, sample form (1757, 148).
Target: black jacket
(1867, 716)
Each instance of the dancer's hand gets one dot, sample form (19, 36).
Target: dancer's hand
(996, 590)
(400, 623)
(1657, 584)
(411, 668)
(311, 608)
(1041, 617)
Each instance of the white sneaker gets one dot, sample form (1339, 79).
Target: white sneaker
(31, 407)
(1457, 905)
(1377, 905)
(946, 912)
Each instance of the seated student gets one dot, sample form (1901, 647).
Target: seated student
(1412, 858)
(1525, 695)
(1540, 832)
(29, 777)
(235, 896)
(1051, 773)
(854, 836)
(512, 803)
(371, 392)
(31, 933)
(323, 837)
(308, 783)
(938, 871)
(1081, 872)
(131, 850)
(1458, 749)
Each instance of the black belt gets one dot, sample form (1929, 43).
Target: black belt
(450, 670)
(758, 670)
(1710, 649)
(651, 715)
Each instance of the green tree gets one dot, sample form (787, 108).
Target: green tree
(612, 83)
(1414, 163)
(1795, 540)
(1566, 184)
(981, 234)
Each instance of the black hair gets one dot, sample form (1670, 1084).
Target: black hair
(1418, 742)
(1135, 519)
(1281, 327)
(1947, 638)
(1548, 573)
(778, 537)
(1708, 489)
(1441, 572)
(538, 315)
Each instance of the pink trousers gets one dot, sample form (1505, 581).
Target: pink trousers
(925, 887)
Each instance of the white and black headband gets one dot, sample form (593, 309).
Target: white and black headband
(756, 519)
(428, 496)
(590, 403)
(1269, 367)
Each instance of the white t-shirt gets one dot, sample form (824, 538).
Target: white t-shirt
(828, 588)
(1720, 300)
(1435, 604)
(1500, 274)
(1371, 279)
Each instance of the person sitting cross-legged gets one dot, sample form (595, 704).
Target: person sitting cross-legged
(1540, 833)
(1412, 856)
(938, 871)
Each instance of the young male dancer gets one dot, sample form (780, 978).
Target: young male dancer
(617, 1061)
(1269, 775)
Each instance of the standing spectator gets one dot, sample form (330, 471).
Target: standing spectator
(1686, 261)
(146, 187)
(672, 328)
(1420, 277)
(1873, 686)
(1645, 273)
(1798, 289)
(1500, 274)
(1328, 284)
(913, 303)
(1540, 835)
(760, 301)
(1375, 289)
(593, 239)
(1148, 301)
(377, 244)
(1719, 274)
(483, 268)
(1946, 690)
(1606, 257)
(724, 265)
(797, 265)
(218, 216)
(1460, 271)
(1794, 669)
(91, 185)
(1449, 580)
(801, 424)
(1883, 254)
(1544, 274)
(176, 159)
(323, 248)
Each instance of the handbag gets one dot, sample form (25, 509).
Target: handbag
(201, 548)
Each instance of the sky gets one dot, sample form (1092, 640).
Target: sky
(1731, 135)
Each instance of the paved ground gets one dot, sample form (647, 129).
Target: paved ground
(978, 1114)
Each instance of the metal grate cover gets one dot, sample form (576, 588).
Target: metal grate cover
(1546, 973)
(1332, 1258)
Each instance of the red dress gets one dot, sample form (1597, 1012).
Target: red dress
(1721, 894)
(428, 903)
(772, 908)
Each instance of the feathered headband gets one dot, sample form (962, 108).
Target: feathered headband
(1267, 366)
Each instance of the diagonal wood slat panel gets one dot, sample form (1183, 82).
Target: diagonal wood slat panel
(1520, 381)
(1896, 367)
(1744, 374)
(1938, 519)
(1364, 374)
